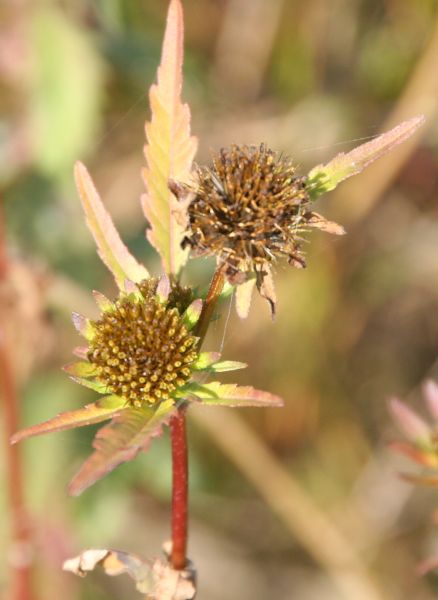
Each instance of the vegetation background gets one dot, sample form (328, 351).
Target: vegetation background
(358, 325)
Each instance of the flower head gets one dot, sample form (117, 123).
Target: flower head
(249, 209)
(141, 349)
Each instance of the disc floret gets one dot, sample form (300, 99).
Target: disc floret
(142, 350)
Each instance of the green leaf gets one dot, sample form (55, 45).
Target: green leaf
(92, 413)
(170, 148)
(91, 384)
(80, 369)
(110, 247)
(218, 394)
(325, 178)
(205, 360)
(209, 361)
(128, 433)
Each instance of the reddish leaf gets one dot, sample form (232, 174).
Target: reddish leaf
(424, 458)
(218, 394)
(324, 178)
(110, 247)
(170, 149)
(128, 433)
(411, 424)
(92, 413)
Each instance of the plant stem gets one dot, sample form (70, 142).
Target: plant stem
(20, 584)
(178, 435)
(179, 489)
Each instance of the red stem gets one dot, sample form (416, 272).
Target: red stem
(178, 435)
(180, 489)
(21, 584)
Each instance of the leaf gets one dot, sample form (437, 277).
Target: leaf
(205, 360)
(103, 303)
(128, 433)
(192, 313)
(324, 178)
(414, 428)
(430, 390)
(421, 457)
(218, 394)
(110, 247)
(80, 369)
(158, 580)
(244, 293)
(88, 415)
(170, 148)
(83, 326)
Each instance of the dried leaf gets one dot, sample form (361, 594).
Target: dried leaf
(324, 178)
(218, 394)
(88, 415)
(265, 285)
(319, 222)
(110, 247)
(128, 433)
(170, 148)
(244, 293)
(158, 580)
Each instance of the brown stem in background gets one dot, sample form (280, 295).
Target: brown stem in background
(178, 435)
(20, 548)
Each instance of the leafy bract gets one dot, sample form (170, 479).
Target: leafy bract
(110, 247)
(128, 433)
(219, 394)
(88, 415)
(324, 178)
(170, 147)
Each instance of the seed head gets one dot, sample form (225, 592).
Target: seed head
(142, 350)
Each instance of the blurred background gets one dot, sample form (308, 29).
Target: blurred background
(299, 503)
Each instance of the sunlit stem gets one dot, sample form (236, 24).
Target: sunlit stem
(178, 434)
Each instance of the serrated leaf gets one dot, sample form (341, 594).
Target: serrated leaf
(324, 178)
(170, 148)
(92, 413)
(110, 247)
(128, 433)
(219, 394)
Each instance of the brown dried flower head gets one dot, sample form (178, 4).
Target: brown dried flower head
(248, 209)
(141, 349)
